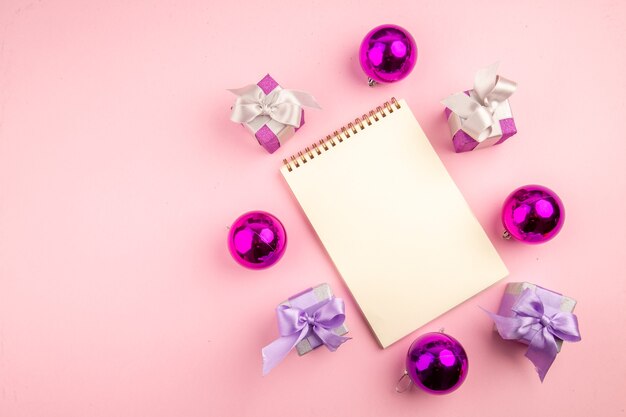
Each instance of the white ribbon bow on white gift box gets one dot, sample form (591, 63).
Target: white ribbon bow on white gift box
(281, 105)
(479, 111)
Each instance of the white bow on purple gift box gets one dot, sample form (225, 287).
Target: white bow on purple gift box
(479, 113)
(282, 105)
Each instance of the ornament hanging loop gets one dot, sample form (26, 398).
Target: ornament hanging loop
(404, 383)
(506, 235)
(371, 82)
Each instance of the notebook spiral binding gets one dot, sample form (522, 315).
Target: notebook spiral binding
(338, 136)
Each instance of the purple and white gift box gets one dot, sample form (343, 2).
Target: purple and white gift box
(481, 117)
(271, 113)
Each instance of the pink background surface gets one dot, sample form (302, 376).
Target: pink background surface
(120, 173)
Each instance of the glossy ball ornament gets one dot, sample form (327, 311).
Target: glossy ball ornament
(532, 214)
(437, 363)
(257, 240)
(388, 53)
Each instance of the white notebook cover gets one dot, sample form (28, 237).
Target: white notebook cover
(394, 223)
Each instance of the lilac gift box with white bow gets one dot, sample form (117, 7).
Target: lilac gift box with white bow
(481, 117)
(271, 113)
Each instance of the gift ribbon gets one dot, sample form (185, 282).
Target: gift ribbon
(477, 110)
(529, 310)
(284, 106)
(295, 323)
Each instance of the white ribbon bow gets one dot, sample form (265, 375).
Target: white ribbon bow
(284, 106)
(477, 110)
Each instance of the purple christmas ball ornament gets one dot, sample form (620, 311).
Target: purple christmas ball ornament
(388, 53)
(532, 214)
(437, 363)
(257, 240)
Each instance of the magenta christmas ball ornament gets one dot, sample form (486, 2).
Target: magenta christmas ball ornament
(257, 240)
(436, 363)
(532, 214)
(388, 54)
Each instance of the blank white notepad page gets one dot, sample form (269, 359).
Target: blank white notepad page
(394, 223)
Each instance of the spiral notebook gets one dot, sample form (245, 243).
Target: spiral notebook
(392, 220)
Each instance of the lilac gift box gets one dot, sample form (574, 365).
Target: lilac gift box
(553, 302)
(310, 300)
(498, 133)
(268, 132)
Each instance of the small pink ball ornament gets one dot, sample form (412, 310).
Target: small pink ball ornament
(436, 363)
(257, 240)
(532, 214)
(388, 54)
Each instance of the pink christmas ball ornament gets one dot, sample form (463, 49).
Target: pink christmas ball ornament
(532, 214)
(388, 54)
(257, 240)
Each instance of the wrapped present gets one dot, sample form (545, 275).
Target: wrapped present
(539, 318)
(481, 117)
(307, 320)
(271, 113)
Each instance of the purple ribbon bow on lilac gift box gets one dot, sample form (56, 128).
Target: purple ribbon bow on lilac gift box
(529, 312)
(295, 323)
